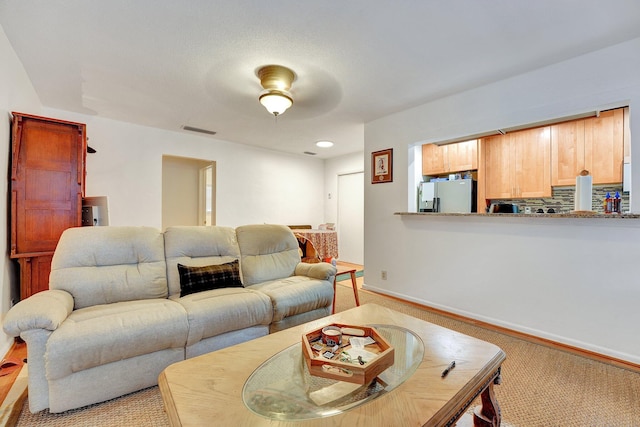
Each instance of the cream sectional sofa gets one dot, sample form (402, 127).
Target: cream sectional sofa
(114, 316)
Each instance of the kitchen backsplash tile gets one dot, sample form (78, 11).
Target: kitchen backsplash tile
(562, 200)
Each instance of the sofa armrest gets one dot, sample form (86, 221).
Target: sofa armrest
(320, 270)
(44, 310)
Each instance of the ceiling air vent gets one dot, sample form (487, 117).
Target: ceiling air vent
(309, 153)
(193, 129)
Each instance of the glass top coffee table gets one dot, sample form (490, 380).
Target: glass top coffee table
(282, 387)
(212, 388)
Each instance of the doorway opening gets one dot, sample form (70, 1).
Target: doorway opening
(188, 191)
(206, 207)
(351, 217)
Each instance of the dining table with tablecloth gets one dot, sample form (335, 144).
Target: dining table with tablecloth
(324, 241)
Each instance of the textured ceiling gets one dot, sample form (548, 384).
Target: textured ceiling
(167, 63)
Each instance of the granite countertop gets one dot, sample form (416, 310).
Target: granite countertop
(531, 215)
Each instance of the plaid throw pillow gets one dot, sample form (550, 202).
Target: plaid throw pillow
(198, 279)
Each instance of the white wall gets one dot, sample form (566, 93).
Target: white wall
(575, 281)
(349, 163)
(16, 94)
(253, 185)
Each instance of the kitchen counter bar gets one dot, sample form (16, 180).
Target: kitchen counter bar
(531, 215)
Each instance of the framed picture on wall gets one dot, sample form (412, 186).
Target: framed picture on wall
(382, 166)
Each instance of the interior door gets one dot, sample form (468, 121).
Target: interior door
(350, 225)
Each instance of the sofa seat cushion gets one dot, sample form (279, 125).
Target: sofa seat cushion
(296, 294)
(102, 334)
(218, 311)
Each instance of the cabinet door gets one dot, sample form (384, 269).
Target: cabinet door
(433, 159)
(463, 156)
(532, 169)
(498, 170)
(604, 146)
(567, 152)
(46, 180)
(34, 275)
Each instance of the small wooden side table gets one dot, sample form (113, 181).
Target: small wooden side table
(352, 272)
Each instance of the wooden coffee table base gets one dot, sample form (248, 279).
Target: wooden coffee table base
(209, 388)
(488, 414)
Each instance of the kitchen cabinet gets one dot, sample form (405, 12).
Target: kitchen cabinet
(433, 159)
(498, 175)
(456, 157)
(567, 152)
(517, 165)
(463, 156)
(47, 185)
(595, 144)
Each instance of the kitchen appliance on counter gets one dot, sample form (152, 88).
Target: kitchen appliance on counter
(456, 196)
(503, 208)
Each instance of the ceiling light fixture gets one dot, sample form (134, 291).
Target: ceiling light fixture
(276, 81)
(324, 144)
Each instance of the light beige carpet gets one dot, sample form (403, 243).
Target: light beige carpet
(141, 409)
(540, 387)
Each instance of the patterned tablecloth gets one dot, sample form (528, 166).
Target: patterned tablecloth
(325, 242)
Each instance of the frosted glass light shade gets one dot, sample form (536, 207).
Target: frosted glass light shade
(276, 102)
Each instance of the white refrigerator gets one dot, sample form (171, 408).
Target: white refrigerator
(456, 196)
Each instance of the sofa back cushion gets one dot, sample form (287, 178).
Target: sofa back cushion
(197, 246)
(102, 265)
(268, 252)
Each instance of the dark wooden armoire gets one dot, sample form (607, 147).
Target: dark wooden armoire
(48, 158)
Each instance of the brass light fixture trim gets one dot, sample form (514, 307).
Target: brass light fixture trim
(276, 81)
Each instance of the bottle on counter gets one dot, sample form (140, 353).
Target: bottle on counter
(608, 202)
(616, 203)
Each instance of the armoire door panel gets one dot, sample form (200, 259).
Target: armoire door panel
(47, 183)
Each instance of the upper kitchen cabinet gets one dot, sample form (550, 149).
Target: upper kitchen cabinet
(517, 165)
(595, 144)
(498, 169)
(463, 156)
(47, 185)
(533, 158)
(433, 159)
(567, 152)
(604, 146)
(456, 157)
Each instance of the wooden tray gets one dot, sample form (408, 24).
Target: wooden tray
(353, 371)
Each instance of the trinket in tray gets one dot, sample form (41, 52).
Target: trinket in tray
(355, 354)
